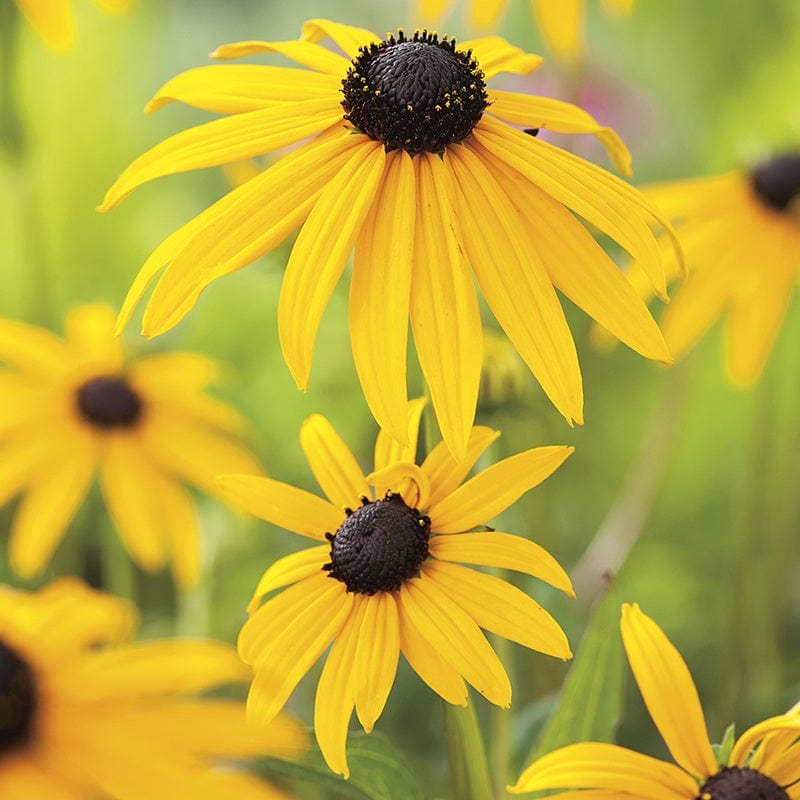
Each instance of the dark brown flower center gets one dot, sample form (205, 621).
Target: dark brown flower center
(733, 783)
(17, 700)
(418, 94)
(109, 403)
(379, 546)
(777, 182)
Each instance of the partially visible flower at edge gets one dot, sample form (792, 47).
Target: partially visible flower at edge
(416, 164)
(385, 580)
(76, 407)
(764, 762)
(86, 712)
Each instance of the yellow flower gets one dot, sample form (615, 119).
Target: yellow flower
(741, 236)
(72, 408)
(412, 161)
(52, 19)
(85, 713)
(385, 580)
(763, 763)
(560, 21)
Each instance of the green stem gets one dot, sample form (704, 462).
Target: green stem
(466, 756)
(500, 723)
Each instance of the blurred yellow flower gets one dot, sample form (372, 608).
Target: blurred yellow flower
(413, 161)
(741, 237)
(386, 580)
(763, 763)
(72, 408)
(52, 19)
(85, 713)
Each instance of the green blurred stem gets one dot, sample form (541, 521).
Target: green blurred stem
(500, 722)
(466, 756)
(119, 573)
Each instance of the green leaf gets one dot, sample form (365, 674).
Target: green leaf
(466, 755)
(591, 700)
(722, 751)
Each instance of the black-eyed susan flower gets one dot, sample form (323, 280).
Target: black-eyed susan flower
(388, 577)
(763, 763)
(52, 19)
(414, 162)
(85, 713)
(741, 236)
(72, 409)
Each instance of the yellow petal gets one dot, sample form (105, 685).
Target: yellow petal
(492, 491)
(51, 19)
(445, 318)
(306, 53)
(333, 464)
(499, 607)
(503, 551)
(430, 11)
(753, 735)
(348, 37)
(486, 13)
(90, 330)
(182, 531)
(389, 450)
(379, 296)
(23, 777)
(406, 479)
(321, 251)
(561, 26)
(668, 691)
(24, 456)
(30, 348)
(289, 569)
(495, 55)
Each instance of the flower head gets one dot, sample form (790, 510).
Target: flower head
(412, 160)
(763, 762)
(85, 713)
(387, 578)
(78, 407)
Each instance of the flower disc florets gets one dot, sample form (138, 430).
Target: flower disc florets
(777, 181)
(379, 546)
(17, 700)
(733, 783)
(109, 403)
(418, 94)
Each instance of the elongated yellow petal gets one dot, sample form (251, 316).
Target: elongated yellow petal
(561, 25)
(236, 88)
(282, 505)
(30, 348)
(51, 19)
(753, 735)
(333, 464)
(90, 330)
(492, 491)
(406, 479)
(22, 777)
(289, 569)
(496, 55)
(182, 531)
(389, 450)
(486, 13)
(499, 607)
(514, 281)
(430, 11)
(593, 765)
(662, 677)
(453, 634)
(503, 551)
(321, 251)
(349, 38)
(379, 296)
(24, 455)
(445, 318)
(306, 53)
(224, 140)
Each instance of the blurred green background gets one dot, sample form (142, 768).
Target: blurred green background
(694, 89)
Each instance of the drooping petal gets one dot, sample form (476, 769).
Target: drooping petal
(349, 38)
(289, 569)
(389, 450)
(306, 53)
(492, 491)
(406, 479)
(753, 735)
(662, 677)
(495, 55)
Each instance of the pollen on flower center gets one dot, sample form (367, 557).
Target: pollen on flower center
(109, 403)
(17, 700)
(379, 546)
(777, 181)
(418, 94)
(733, 783)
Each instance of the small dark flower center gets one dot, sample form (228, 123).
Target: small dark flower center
(17, 700)
(418, 94)
(777, 182)
(379, 546)
(109, 403)
(733, 783)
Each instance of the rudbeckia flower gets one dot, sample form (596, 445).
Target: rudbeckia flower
(413, 161)
(88, 714)
(763, 762)
(52, 19)
(78, 407)
(741, 237)
(388, 577)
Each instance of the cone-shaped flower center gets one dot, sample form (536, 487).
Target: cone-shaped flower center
(109, 403)
(379, 546)
(418, 94)
(17, 700)
(777, 181)
(732, 783)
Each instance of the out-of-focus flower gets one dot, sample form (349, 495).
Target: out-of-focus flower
(504, 378)
(415, 163)
(763, 763)
(78, 407)
(388, 578)
(86, 713)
